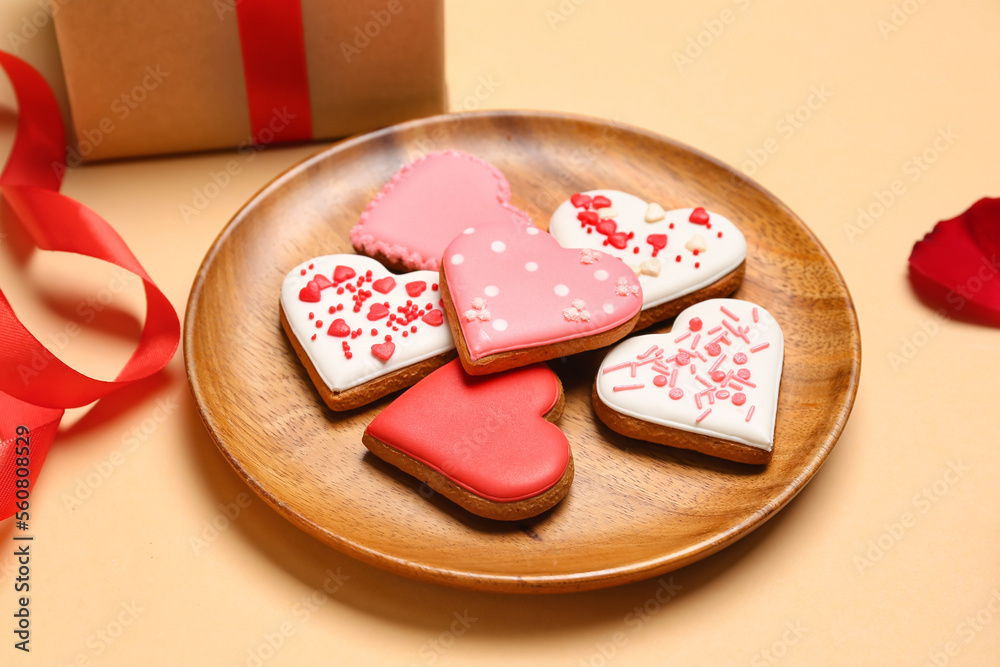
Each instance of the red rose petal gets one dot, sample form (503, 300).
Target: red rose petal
(983, 222)
(949, 270)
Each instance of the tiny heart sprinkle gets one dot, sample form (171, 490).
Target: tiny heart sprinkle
(339, 328)
(384, 285)
(658, 241)
(600, 201)
(416, 288)
(342, 273)
(580, 200)
(322, 281)
(699, 216)
(383, 350)
(376, 312)
(607, 227)
(433, 318)
(309, 293)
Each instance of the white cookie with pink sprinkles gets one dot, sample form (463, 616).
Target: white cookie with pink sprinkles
(710, 385)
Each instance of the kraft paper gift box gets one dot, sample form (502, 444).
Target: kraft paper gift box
(164, 76)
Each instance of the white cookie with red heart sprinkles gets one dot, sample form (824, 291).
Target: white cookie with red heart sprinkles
(361, 331)
(680, 256)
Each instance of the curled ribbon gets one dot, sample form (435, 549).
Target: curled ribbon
(33, 401)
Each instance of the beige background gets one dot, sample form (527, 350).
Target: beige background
(126, 538)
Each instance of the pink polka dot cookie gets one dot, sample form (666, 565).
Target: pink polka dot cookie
(488, 443)
(427, 204)
(514, 296)
(360, 331)
(710, 385)
(681, 256)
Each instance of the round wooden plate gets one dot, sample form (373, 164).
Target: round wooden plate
(636, 509)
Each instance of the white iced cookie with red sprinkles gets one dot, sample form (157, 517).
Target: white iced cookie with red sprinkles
(514, 297)
(681, 256)
(711, 384)
(361, 331)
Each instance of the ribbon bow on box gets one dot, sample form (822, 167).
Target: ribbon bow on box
(33, 399)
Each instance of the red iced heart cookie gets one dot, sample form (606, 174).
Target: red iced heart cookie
(487, 443)
(515, 296)
(955, 266)
(427, 204)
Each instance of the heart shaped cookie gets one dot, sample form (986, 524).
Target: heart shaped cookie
(681, 256)
(360, 331)
(487, 443)
(711, 384)
(428, 203)
(514, 296)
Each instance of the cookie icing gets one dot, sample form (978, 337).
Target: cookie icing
(673, 252)
(515, 287)
(357, 321)
(429, 202)
(485, 433)
(717, 373)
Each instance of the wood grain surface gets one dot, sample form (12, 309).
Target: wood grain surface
(636, 509)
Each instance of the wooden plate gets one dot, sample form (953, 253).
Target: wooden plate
(636, 509)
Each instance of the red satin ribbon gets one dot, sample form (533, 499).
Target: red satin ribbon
(35, 386)
(274, 67)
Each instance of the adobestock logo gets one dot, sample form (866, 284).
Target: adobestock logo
(922, 503)
(218, 181)
(121, 107)
(363, 35)
(30, 25)
(914, 168)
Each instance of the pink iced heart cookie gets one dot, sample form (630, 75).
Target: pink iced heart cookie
(360, 331)
(514, 296)
(710, 385)
(681, 256)
(427, 204)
